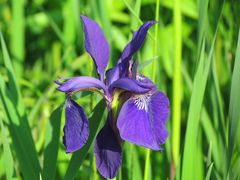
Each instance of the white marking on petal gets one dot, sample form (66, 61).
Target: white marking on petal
(68, 102)
(140, 77)
(142, 101)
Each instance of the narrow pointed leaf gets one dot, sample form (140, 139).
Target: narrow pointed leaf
(7, 154)
(52, 144)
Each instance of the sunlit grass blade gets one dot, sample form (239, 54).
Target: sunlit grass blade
(155, 42)
(27, 157)
(69, 28)
(208, 128)
(7, 154)
(52, 144)
(13, 86)
(134, 22)
(208, 177)
(177, 83)
(17, 121)
(79, 156)
(18, 35)
(211, 136)
(199, 85)
(147, 167)
(134, 13)
(199, 158)
(234, 113)
(136, 169)
(136, 16)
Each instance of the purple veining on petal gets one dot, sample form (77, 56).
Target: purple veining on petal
(96, 45)
(108, 152)
(142, 120)
(81, 82)
(129, 84)
(76, 130)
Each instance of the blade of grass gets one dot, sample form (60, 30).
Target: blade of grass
(27, 157)
(209, 172)
(199, 85)
(13, 86)
(17, 121)
(136, 16)
(52, 144)
(155, 46)
(134, 22)
(147, 167)
(17, 35)
(177, 83)
(79, 156)
(234, 113)
(207, 126)
(7, 154)
(69, 29)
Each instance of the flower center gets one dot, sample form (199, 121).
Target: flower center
(142, 101)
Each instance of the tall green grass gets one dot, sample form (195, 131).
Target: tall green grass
(192, 54)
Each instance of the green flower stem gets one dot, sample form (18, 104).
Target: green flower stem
(177, 82)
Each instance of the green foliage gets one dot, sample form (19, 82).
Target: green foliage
(192, 54)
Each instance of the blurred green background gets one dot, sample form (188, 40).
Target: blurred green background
(192, 54)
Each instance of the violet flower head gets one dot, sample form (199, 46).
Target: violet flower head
(144, 110)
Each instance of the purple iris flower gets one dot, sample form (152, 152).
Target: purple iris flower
(137, 110)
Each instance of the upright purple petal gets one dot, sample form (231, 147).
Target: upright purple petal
(142, 120)
(81, 83)
(117, 72)
(113, 74)
(131, 85)
(134, 69)
(108, 152)
(134, 45)
(96, 45)
(76, 130)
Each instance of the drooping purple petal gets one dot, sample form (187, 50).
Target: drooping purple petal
(80, 83)
(134, 45)
(76, 130)
(142, 120)
(145, 82)
(131, 85)
(108, 152)
(96, 45)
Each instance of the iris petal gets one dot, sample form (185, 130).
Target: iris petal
(113, 74)
(76, 130)
(145, 82)
(122, 68)
(142, 120)
(81, 82)
(131, 85)
(108, 152)
(138, 38)
(96, 45)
